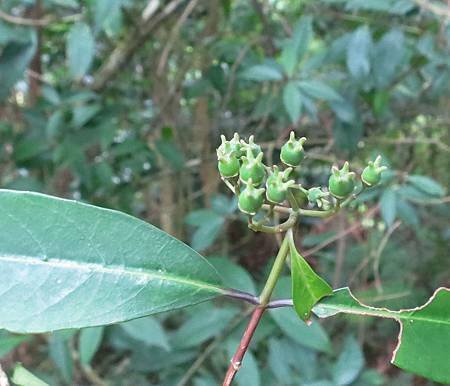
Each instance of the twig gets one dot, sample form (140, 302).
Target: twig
(123, 52)
(173, 36)
(236, 361)
(336, 237)
(379, 251)
(211, 347)
(340, 252)
(441, 11)
(38, 22)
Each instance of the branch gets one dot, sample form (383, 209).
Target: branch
(441, 11)
(124, 51)
(38, 22)
(173, 36)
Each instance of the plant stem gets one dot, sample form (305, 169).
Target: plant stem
(258, 312)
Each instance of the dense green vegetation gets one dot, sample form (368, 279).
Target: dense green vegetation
(121, 104)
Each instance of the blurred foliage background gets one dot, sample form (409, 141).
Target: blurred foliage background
(120, 103)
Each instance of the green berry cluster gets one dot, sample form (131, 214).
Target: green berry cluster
(241, 166)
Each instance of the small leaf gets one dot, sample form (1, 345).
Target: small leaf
(89, 341)
(80, 50)
(23, 377)
(307, 287)
(292, 101)
(319, 90)
(388, 54)
(262, 72)
(207, 233)
(349, 364)
(14, 59)
(148, 331)
(312, 336)
(427, 185)
(64, 252)
(388, 206)
(358, 52)
(234, 276)
(59, 351)
(296, 46)
(424, 336)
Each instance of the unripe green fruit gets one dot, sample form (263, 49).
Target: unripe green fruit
(252, 168)
(341, 182)
(292, 152)
(251, 199)
(228, 166)
(277, 186)
(233, 146)
(371, 174)
(276, 174)
(318, 196)
(251, 145)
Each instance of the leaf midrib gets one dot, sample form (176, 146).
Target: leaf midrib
(111, 269)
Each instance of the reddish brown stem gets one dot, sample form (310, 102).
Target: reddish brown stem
(238, 356)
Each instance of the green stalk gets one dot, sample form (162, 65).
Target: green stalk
(276, 270)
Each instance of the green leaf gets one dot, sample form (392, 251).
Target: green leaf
(205, 323)
(80, 50)
(23, 377)
(59, 351)
(64, 252)
(424, 337)
(307, 287)
(262, 72)
(234, 276)
(89, 341)
(296, 46)
(207, 233)
(319, 90)
(388, 206)
(312, 336)
(389, 53)
(104, 11)
(349, 364)
(358, 53)
(148, 331)
(14, 60)
(292, 101)
(427, 185)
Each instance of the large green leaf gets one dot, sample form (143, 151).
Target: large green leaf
(70, 265)
(424, 337)
(307, 287)
(292, 100)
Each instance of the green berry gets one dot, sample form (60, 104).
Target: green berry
(318, 196)
(255, 149)
(228, 165)
(277, 186)
(277, 173)
(252, 168)
(341, 182)
(233, 146)
(251, 199)
(292, 152)
(371, 175)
